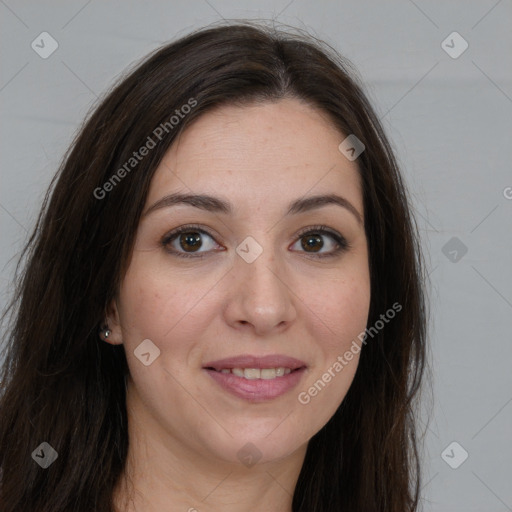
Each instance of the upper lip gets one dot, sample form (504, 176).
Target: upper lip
(250, 361)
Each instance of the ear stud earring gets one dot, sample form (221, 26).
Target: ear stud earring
(105, 333)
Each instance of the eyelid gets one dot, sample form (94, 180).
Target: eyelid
(342, 243)
(319, 228)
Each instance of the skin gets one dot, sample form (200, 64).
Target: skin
(185, 430)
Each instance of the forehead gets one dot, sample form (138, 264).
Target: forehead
(270, 152)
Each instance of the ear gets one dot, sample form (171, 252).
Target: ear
(112, 322)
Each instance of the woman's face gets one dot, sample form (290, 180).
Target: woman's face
(262, 289)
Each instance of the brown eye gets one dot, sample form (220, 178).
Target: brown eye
(186, 242)
(190, 240)
(312, 242)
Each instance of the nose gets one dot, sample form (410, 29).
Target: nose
(260, 298)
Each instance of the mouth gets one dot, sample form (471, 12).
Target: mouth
(257, 379)
(257, 373)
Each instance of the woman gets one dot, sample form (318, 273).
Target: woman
(222, 306)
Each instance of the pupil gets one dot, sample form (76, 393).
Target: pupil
(310, 242)
(193, 240)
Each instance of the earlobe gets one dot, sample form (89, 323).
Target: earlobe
(110, 330)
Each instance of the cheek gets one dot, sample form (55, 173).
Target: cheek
(339, 312)
(144, 309)
(167, 309)
(154, 307)
(152, 304)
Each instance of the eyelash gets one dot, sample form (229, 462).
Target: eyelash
(342, 243)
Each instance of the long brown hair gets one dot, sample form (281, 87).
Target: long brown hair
(62, 385)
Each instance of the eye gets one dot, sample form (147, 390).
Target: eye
(187, 238)
(186, 242)
(311, 239)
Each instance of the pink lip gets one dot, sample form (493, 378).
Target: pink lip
(256, 390)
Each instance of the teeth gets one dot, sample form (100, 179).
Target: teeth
(252, 373)
(238, 372)
(269, 373)
(256, 373)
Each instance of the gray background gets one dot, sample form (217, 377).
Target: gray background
(450, 121)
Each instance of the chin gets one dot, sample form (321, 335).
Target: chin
(255, 444)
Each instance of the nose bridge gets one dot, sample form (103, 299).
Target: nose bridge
(264, 299)
(258, 264)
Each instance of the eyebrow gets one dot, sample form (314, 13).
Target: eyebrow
(217, 205)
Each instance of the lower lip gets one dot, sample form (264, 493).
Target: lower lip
(257, 390)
